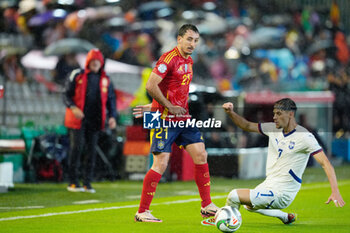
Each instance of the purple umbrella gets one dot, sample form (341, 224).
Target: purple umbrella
(43, 18)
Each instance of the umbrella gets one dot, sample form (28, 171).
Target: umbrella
(152, 6)
(266, 37)
(147, 26)
(76, 19)
(8, 3)
(116, 23)
(276, 20)
(43, 18)
(70, 45)
(212, 24)
(320, 45)
(9, 51)
(26, 6)
(208, 23)
(35, 59)
(193, 15)
(152, 10)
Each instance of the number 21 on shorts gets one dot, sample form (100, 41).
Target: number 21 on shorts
(159, 133)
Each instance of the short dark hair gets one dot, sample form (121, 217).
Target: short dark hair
(185, 27)
(286, 104)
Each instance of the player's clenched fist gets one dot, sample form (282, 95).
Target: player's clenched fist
(228, 107)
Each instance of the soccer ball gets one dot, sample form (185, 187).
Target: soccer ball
(228, 219)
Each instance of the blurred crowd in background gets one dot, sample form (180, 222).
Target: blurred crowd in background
(245, 45)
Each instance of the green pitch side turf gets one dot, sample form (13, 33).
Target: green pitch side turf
(53, 209)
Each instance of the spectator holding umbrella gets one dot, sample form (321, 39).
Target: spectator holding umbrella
(65, 65)
(11, 67)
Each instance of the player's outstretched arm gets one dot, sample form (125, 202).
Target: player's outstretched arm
(336, 197)
(138, 110)
(238, 120)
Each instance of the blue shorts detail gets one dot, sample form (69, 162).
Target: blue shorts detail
(163, 138)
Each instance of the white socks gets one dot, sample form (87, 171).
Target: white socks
(233, 199)
(271, 212)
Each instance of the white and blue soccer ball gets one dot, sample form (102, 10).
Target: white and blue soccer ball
(228, 219)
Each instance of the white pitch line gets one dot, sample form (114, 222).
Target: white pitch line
(86, 202)
(134, 206)
(20, 207)
(101, 209)
(67, 212)
(134, 197)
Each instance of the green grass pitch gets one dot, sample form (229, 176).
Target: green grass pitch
(48, 207)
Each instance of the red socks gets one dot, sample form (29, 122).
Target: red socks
(150, 183)
(202, 178)
(152, 178)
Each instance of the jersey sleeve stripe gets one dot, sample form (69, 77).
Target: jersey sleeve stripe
(315, 152)
(168, 58)
(295, 176)
(260, 129)
(177, 51)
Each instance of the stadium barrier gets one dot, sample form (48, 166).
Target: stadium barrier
(242, 163)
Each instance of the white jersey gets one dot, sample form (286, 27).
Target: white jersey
(287, 157)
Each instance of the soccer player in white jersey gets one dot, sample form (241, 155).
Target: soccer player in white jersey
(290, 146)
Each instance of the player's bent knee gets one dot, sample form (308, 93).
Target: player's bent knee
(200, 158)
(233, 199)
(204, 154)
(160, 166)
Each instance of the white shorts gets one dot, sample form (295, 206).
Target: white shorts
(263, 197)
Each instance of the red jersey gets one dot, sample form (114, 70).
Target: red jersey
(176, 72)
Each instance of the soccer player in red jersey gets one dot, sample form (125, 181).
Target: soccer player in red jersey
(168, 84)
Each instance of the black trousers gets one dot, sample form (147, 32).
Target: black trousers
(78, 139)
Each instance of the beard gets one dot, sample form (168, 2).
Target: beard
(278, 126)
(190, 51)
